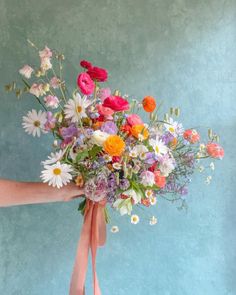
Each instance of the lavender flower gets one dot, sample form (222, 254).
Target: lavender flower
(124, 184)
(109, 127)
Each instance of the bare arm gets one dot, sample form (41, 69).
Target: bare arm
(20, 193)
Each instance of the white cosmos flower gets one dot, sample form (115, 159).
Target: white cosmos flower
(174, 127)
(34, 122)
(54, 157)
(134, 219)
(75, 109)
(158, 146)
(57, 174)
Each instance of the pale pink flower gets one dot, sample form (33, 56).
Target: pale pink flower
(55, 82)
(45, 53)
(103, 93)
(26, 71)
(147, 178)
(51, 101)
(37, 90)
(104, 111)
(45, 64)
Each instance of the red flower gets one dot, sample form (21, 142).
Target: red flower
(116, 159)
(116, 103)
(86, 64)
(160, 180)
(153, 167)
(126, 129)
(97, 74)
(191, 136)
(215, 150)
(85, 84)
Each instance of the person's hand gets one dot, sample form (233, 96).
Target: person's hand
(71, 191)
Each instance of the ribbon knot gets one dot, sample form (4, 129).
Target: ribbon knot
(92, 236)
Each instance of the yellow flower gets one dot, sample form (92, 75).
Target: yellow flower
(137, 130)
(114, 145)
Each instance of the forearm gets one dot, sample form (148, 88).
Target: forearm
(19, 193)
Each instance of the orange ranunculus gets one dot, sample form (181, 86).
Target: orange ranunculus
(137, 130)
(114, 145)
(174, 143)
(149, 104)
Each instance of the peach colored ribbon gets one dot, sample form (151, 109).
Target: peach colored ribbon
(93, 235)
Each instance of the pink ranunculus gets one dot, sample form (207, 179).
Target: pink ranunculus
(51, 101)
(116, 103)
(98, 74)
(86, 64)
(103, 93)
(85, 84)
(214, 150)
(104, 111)
(134, 119)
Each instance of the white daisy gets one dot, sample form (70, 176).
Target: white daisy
(174, 127)
(75, 109)
(158, 146)
(115, 229)
(57, 174)
(153, 220)
(54, 157)
(153, 200)
(34, 122)
(134, 219)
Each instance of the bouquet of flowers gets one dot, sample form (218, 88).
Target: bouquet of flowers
(102, 143)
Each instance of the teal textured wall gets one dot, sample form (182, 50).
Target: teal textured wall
(180, 51)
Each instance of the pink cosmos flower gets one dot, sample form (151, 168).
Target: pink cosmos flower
(26, 71)
(45, 53)
(51, 101)
(106, 112)
(134, 119)
(214, 150)
(85, 84)
(103, 93)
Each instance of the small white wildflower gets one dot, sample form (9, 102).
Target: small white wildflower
(140, 137)
(115, 229)
(117, 166)
(153, 201)
(153, 220)
(201, 169)
(55, 143)
(149, 193)
(134, 219)
(133, 154)
(107, 158)
(212, 166)
(208, 179)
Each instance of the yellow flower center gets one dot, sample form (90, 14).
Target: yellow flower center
(135, 219)
(171, 129)
(36, 123)
(157, 149)
(56, 171)
(79, 109)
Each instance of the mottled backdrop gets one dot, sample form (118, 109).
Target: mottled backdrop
(181, 52)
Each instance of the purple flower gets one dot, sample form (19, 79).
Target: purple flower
(124, 184)
(68, 133)
(109, 127)
(51, 121)
(167, 137)
(150, 158)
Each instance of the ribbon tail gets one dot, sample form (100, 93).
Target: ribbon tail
(81, 262)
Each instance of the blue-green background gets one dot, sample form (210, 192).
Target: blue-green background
(183, 53)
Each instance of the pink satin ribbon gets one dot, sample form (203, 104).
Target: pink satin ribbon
(93, 235)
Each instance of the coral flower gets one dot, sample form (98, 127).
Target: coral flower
(114, 145)
(85, 84)
(149, 104)
(139, 131)
(160, 180)
(146, 202)
(214, 150)
(191, 135)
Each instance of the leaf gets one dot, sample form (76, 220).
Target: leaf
(81, 207)
(82, 155)
(94, 151)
